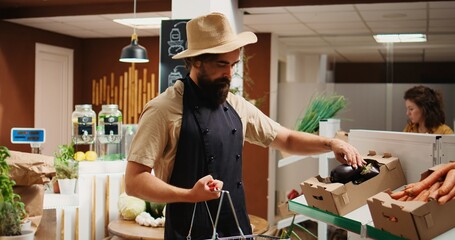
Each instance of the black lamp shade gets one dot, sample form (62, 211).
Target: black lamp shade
(134, 53)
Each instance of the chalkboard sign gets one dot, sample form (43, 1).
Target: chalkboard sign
(173, 40)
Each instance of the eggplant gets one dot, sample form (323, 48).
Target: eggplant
(368, 171)
(345, 173)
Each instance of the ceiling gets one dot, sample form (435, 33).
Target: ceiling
(343, 32)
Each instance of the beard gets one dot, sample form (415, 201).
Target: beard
(214, 91)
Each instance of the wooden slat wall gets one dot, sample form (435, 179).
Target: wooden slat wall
(130, 91)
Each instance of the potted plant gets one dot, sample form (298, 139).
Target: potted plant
(321, 106)
(12, 209)
(66, 169)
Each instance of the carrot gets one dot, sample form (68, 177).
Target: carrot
(434, 191)
(449, 183)
(423, 196)
(397, 195)
(410, 185)
(447, 197)
(404, 198)
(430, 180)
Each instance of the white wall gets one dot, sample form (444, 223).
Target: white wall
(366, 107)
(306, 68)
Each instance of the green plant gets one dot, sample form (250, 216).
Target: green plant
(321, 106)
(65, 166)
(12, 209)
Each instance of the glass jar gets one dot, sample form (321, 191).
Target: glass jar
(84, 124)
(128, 139)
(110, 122)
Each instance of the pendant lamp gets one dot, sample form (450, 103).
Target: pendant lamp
(134, 53)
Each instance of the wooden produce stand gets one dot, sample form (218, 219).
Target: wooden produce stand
(131, 230)
(259, 225)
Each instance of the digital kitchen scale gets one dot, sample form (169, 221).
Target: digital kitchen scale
(33, 136)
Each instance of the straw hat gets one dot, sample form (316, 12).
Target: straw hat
(213, 34)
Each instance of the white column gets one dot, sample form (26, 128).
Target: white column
(272, 169)
(323, 69)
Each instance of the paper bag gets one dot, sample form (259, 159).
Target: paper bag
(27, 169)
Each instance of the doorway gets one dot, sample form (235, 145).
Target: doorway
(53, 95)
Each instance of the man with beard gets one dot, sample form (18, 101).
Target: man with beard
(192, 137)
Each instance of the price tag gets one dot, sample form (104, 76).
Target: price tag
(28, 135)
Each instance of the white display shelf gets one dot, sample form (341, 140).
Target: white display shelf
(102, 167)
(55, 200)
(296, 158)
(293, 159)
(87, 213)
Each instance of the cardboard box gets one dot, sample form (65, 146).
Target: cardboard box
(283, 210)
(411, 219)
(341, 198)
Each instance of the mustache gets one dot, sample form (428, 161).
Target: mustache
(222, 81)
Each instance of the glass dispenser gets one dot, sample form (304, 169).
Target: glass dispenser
(110, 124)
(84, 124)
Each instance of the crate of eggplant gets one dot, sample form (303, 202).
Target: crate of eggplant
(348, 189)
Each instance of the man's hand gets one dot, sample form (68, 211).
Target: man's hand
(206, 189)
(346, 153)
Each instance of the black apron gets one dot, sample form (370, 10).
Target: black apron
(211, 142)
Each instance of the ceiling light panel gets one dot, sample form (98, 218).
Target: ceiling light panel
(142, 23)
(400, 38)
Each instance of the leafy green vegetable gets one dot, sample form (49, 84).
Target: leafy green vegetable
(321, 107)
(130, 206)
(155, 209)
(12, 209)
(65, 166)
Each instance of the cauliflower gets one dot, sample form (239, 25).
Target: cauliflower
(130, 207)
(145, 219)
